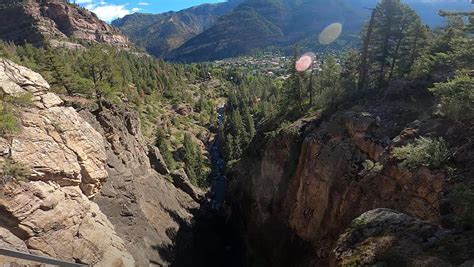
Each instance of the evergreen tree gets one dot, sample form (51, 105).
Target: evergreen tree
(229, 148)
(393, 44)
(249, 125)
(163, 147)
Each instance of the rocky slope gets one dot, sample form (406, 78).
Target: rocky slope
(309, 182)
(159, 34)
(54, 22)
(93, 194)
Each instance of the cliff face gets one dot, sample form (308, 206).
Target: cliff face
(309, 182)
(57, 23)
(92, 195)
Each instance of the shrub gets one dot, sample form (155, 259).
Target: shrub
(14, 171)
(22, 100)
(9, 124)
(456, 97)
(423, 152)
(371, 167)
(464, 197)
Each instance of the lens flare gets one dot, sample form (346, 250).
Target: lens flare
(304, 62)
(330, 33)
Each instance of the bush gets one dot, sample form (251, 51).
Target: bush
(14, 171)
(456, 97)
(22, 100)
(463, 197)
(9, 124)
(423, 152)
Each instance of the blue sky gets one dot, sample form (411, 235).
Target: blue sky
(109, 10)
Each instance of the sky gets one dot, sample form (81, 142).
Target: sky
(109, 10)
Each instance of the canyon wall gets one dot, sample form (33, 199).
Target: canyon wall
(309, 182)
(91, 194)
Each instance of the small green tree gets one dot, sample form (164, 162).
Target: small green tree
(423, 152)
(229, 147)
(195, 166)
(163, 147)
(9, 123)
(456, 97)
(11, 170)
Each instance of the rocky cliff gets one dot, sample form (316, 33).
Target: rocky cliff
(91, 195)
(55, 22)
(311, 180)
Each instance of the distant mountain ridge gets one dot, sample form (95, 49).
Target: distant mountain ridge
(215, 31)
(256, 24)
(159, 34)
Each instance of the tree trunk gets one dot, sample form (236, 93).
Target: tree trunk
(365, 52)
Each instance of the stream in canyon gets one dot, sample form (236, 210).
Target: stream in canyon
(213, 239)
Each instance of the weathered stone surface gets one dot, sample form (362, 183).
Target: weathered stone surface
(61, 222)
(55, 141)
(51, 214)
(181, 181)
(390, 238)
(146, 209)
(309, 186)
(57, 21)
(156, 160)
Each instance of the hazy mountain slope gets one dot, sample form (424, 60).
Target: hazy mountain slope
(233, 34)
(161, 33)
(274, 22)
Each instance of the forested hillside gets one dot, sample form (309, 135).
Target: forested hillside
(159, 34)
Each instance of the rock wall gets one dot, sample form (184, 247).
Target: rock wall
(92, 195)
(51, 214)
(310, 182)
(57, 23)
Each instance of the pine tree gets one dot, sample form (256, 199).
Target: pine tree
(393, 43)
(163, 147)
(249, 125)
(229, 148)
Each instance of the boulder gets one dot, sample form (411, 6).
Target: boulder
(181, 181)
(384, 237)
(156, 160)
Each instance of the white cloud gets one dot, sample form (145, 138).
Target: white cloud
(110, 12)
(107, 11)
(141, 3)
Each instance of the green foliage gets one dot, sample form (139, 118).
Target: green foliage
(456, 97)
(372, 167)
(464, 198)
(229, 148)
(22, 100)
(396, 40)
(11, 170)
(195, 166)
(164, 149)
(427, 152)
(9, 123)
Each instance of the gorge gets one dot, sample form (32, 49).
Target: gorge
(110, 157)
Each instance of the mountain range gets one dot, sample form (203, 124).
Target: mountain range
(216, 31)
